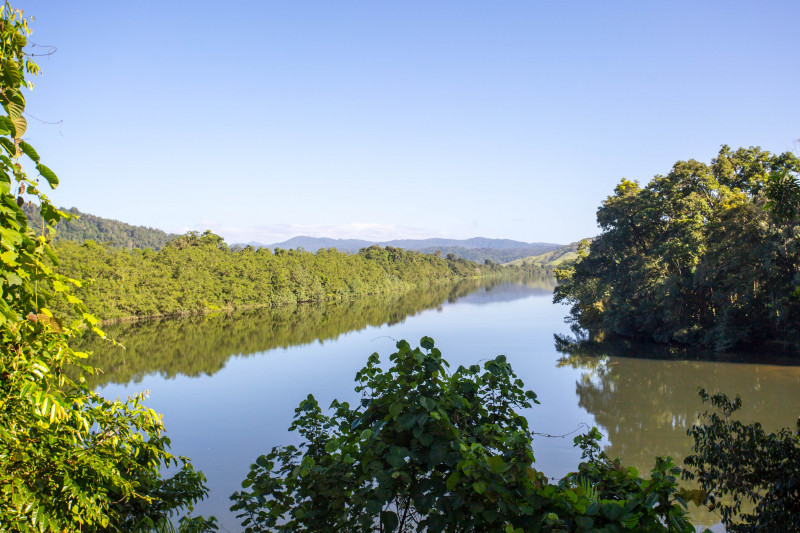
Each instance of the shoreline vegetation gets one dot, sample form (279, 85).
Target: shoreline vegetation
(196, 274)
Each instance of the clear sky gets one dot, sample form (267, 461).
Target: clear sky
(262, 120)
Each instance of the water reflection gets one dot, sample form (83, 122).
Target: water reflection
(195, 346)
(645, 398)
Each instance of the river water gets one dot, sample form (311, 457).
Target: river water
(227, 385)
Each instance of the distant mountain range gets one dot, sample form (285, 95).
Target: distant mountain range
(477, 249)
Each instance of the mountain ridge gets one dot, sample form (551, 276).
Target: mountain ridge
(312, 244)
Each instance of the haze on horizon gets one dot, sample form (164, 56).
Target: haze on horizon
(262, 121)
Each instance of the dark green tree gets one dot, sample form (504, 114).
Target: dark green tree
(706, 255)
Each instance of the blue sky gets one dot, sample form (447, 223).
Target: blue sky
(264, 120)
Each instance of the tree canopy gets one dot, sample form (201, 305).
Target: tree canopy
(706, 255)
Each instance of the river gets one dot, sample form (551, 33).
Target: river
(227, 385)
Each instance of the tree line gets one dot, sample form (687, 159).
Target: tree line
(195, 273)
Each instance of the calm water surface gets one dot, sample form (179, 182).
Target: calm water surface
(228, 385)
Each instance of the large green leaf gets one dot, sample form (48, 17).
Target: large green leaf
(48, 174)
(6, 127)
(29, 151)
(20, 126)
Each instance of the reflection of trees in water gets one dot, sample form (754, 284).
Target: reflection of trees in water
(646, 403)
(540, 282)
(201, 345)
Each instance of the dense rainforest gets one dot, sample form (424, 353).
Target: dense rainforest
(199, 272)
(706, 255)
(81, 227)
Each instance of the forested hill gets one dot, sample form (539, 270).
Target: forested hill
(87, 227)
(495, 255)
(551, 259)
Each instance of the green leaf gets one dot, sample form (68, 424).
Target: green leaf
(20, 126)
(452, 480)
(497, 464)
(426, 342)
(11, 74)
(8, 144)
(6, 127)
(15, 110)
(592, 509)
(48, 174)
(427, 403)
(395, 408)
(29, 151)
(9, 258)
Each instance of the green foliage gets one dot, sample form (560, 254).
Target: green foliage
(706, 255)
(197, 273)
(736, 463)
(783, 195)
(429, 450)
(69, 459)
(82, 227)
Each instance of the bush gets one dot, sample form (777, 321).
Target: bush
(427, 450)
